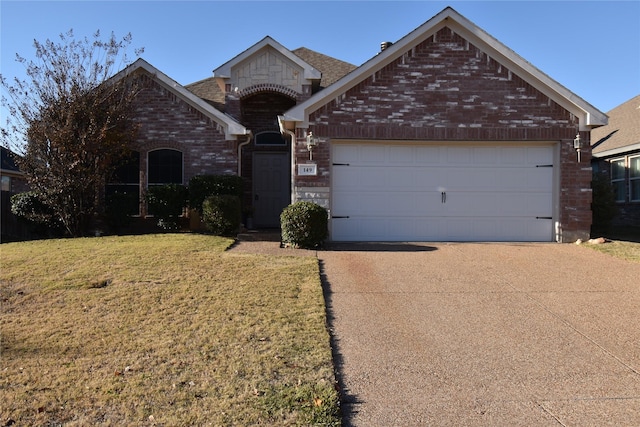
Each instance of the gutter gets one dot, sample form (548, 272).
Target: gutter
(240, 145)
(292, 134)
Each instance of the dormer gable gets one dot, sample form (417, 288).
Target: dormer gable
(267, 65)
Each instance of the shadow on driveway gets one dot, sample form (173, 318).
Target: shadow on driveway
(348, 401)
(378, 247)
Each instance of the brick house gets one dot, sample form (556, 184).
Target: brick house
(13, 182)
(445, 134)
(616, 154)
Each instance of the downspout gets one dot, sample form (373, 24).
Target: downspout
(242, 144)
(293, 160)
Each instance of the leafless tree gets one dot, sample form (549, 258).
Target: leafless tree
(71, 122)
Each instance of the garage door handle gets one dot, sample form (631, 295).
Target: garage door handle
(338, 217)
(443, 197)
(544, 217)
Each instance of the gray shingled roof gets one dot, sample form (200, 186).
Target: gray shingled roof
(7, 160)
(623, 128)
(332, 69)
(208, 90)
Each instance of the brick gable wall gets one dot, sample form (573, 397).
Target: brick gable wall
(169, 122)
(446, 89)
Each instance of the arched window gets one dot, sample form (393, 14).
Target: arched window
(164, 167)
(269, 138)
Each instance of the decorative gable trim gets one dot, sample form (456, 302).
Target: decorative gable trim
(232, 129)
(588, 116)
(267, 87)
(309, 73)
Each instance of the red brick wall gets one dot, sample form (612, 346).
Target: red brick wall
(168, 122)
(447, 89)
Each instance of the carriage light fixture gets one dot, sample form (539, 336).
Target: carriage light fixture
(312, 142)
(578, 145)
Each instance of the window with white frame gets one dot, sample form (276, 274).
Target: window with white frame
(634, 178)
(618, 169)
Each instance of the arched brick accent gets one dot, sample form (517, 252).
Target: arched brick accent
(268, 87)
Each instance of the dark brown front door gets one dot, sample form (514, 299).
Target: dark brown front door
(271, 188)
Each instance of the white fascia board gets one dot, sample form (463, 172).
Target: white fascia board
(224, 71)
(588, 115)
(616, 151)
(232, 128)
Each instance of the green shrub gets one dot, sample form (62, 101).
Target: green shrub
(166, 203)
(38, 216)
(203, 186)
(221, 214)
(118, 209)
(304, 224)
(603, 204)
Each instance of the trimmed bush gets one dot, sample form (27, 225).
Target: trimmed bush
(39, 217)
(203, 186)
(304, 225)
(221, 214)
(166, 203)
(117, 209)
(603, 204)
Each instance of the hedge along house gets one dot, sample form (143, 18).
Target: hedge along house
(446, 135)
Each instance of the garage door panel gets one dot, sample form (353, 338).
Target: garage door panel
(447, 193)
(539, 156)
(471, 179)
(345, 153)
(429, 155)
(402, 155)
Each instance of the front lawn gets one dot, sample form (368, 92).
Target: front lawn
(620, 249)
(161, 330)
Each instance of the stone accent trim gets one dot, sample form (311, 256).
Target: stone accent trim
(267, 87)
(317, 195)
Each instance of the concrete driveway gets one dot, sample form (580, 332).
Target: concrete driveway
(484, 334)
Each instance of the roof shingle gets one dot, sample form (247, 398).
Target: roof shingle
(623, 128)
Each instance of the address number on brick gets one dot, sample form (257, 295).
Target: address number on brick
(310, 169)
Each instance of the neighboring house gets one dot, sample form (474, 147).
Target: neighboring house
(13, 182)
(446, 134)
(616, 153)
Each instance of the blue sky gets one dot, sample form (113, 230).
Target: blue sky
(590, 47)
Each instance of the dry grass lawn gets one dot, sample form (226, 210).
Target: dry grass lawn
(620, 249)
(164, 330)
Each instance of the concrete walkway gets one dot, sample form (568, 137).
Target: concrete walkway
(482, 334)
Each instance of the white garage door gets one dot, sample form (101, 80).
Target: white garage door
(442, 193)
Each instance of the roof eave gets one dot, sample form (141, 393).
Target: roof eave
(616, 151)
